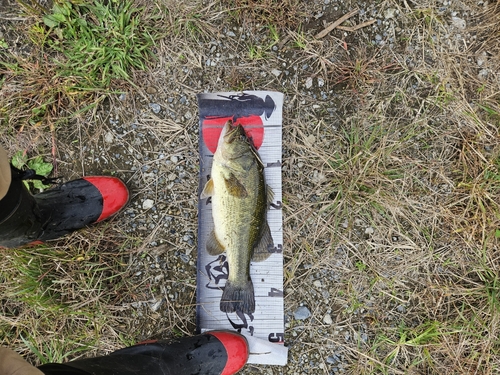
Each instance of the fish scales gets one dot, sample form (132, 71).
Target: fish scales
(239, 204)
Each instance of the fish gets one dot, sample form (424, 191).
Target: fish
(240, 199)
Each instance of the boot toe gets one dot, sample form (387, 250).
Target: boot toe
(236, 348)
(114, 193)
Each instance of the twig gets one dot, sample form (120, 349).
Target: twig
(336, 23)
(354, 28)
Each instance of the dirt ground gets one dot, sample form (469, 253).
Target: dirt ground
(391, 185)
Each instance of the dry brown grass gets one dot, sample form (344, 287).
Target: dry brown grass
(391, 190)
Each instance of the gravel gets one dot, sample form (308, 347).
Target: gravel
(302, 313)
(159, 161)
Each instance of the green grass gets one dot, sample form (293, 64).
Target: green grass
(100, 41)
(403, 140)
(78, 51)
(68, 291)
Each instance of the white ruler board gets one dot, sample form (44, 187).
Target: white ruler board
(260, 113)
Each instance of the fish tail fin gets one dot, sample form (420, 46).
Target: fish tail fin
(237, 297)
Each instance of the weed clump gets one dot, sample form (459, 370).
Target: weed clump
(100, 41)
(77, 49)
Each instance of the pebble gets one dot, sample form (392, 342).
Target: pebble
(108, 138)
(309, 141)
(147, 204)
(483, 73)
(155, 107)
(155, 305)
(276, 72)
(458, 22)
(389, 13)
(309, 82)
(332, 359)
(302, 313)
(369, 231)
(327, 319)
(317, 283)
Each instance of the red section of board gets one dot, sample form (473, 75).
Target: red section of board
(212, 127)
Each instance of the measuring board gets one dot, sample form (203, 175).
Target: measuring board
(260, 113)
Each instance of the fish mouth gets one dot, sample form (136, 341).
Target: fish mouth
(230, 133)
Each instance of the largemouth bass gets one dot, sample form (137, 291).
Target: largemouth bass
(239, 204)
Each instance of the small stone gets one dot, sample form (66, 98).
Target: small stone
(483, 74)
(147, 204)
(317, 283)
(155, 107)
(302, 313)
(458, 23)
(309, 141)
(481, 59)
(332, 359)
(321, 82)
(151, 90)
(231, 34)
(276, 72)
(389, 13)
(309, 82)
(155, 305)
(174, 159)
(401, 309)
(327, 319)
(369, 231)
(108, 138)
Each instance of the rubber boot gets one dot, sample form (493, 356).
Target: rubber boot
(212, 353)
(26, 218)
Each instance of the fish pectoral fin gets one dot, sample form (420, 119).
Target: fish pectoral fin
(214, 247)
(235, 187)
(208, 190)
(270, 194)
(261, 251)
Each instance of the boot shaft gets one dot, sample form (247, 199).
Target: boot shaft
(219, 353)
(20, 217)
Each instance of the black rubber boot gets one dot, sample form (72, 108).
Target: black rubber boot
(26, 218)
(213, 353)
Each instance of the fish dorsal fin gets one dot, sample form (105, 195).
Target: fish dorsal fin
(235, 187)
(214, 247)
(261, 251)
(208, 190)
